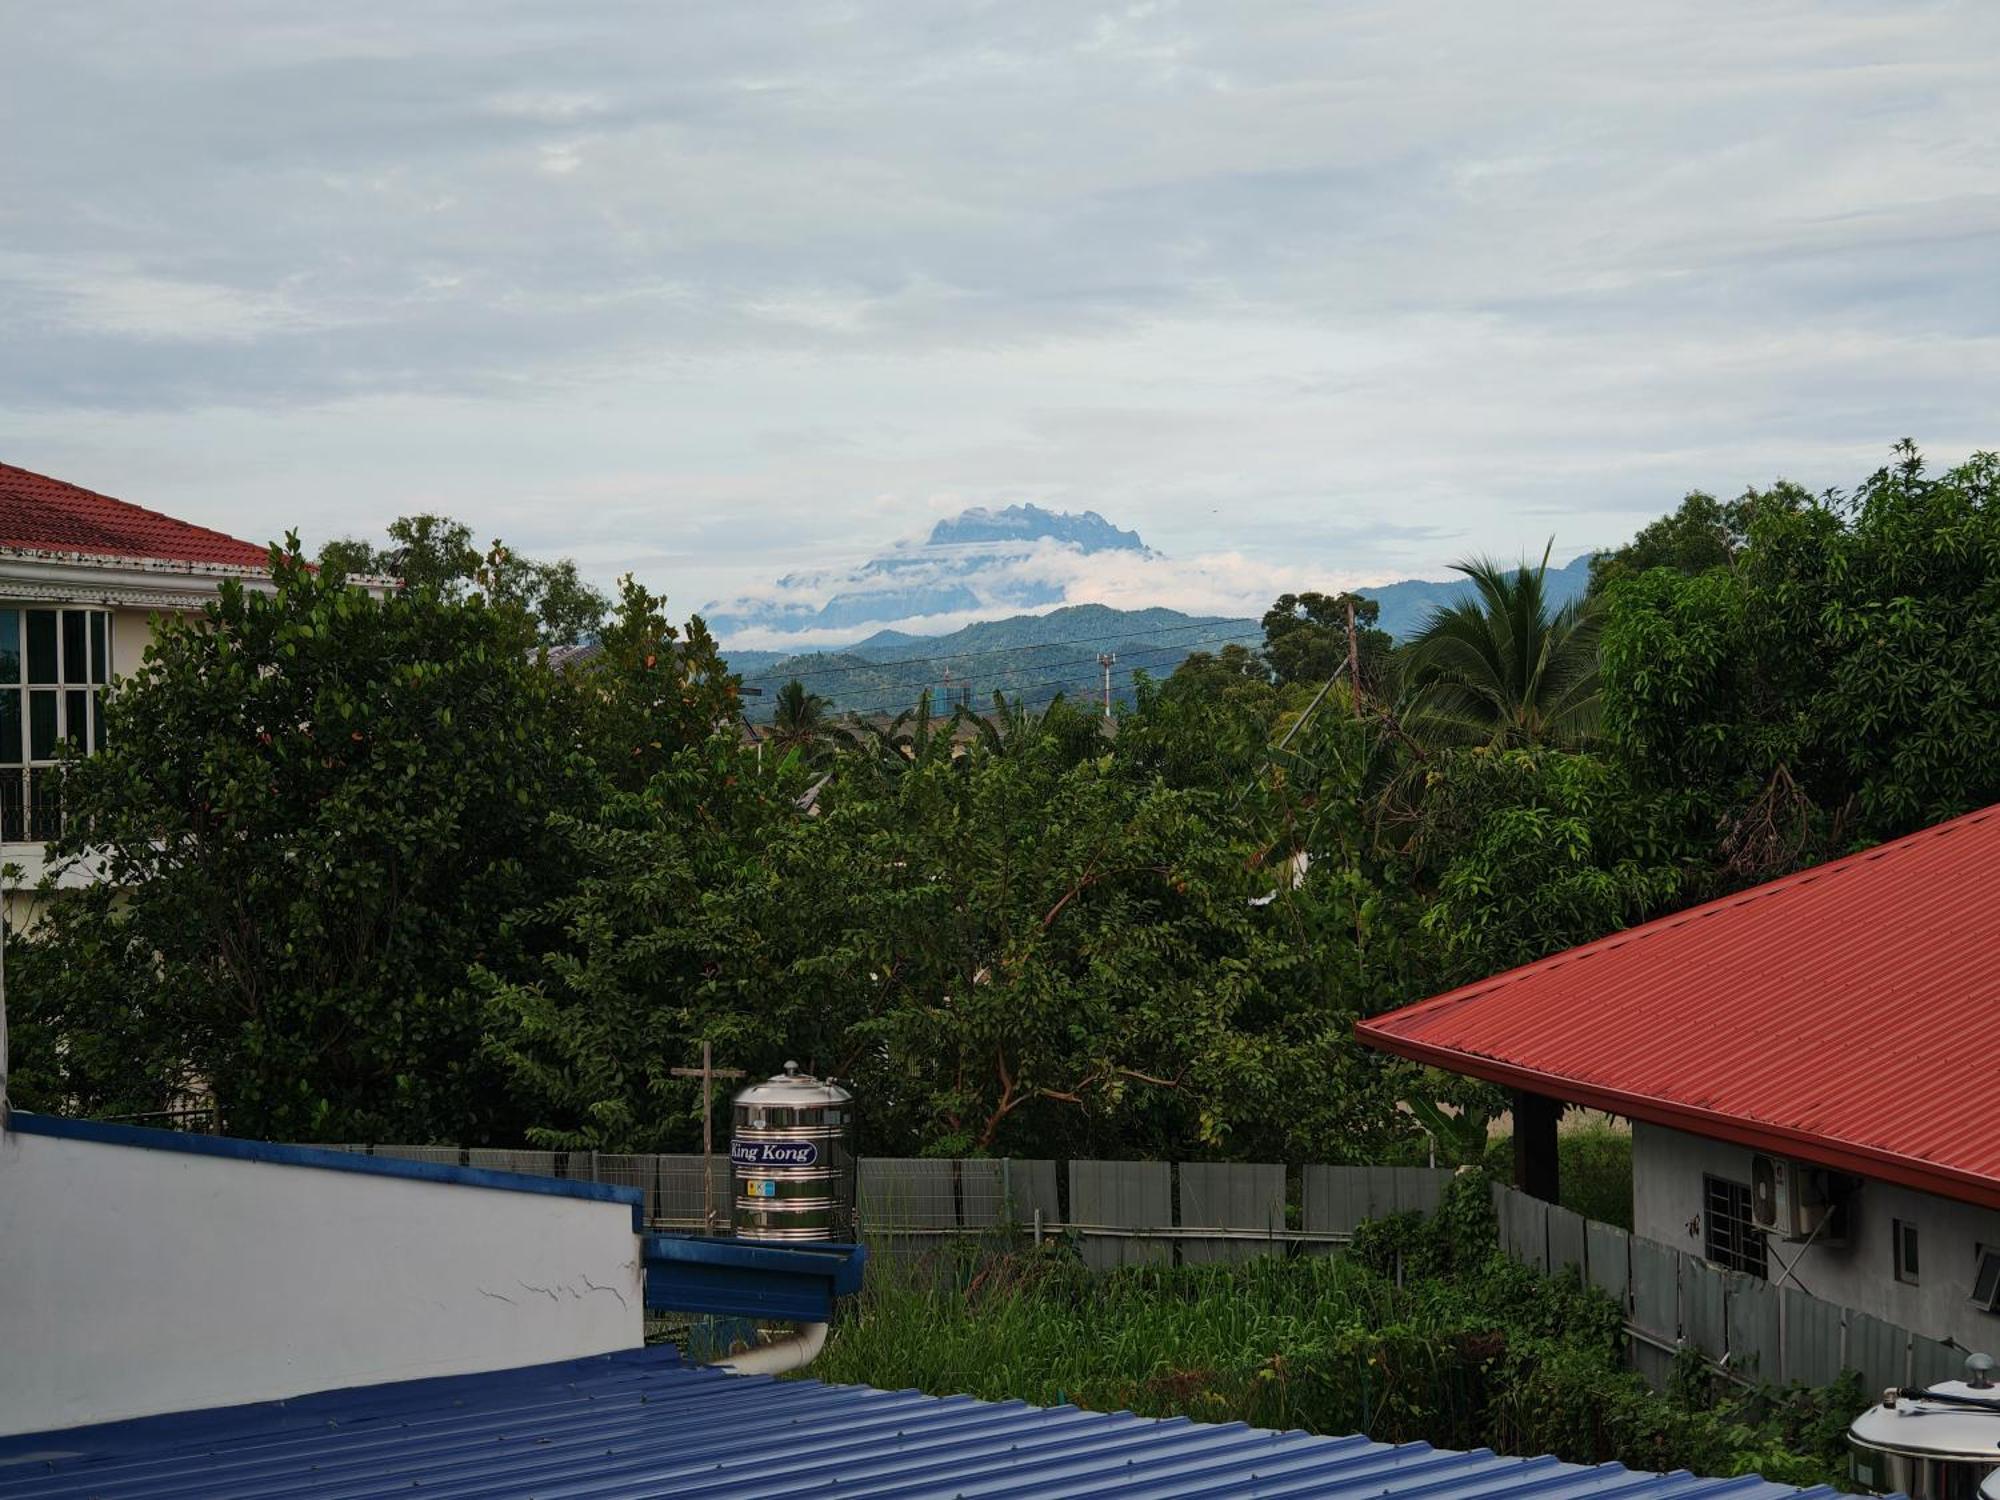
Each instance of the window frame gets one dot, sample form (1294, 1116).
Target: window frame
(1729, 1234)
(71, 695)
(1906, 1252)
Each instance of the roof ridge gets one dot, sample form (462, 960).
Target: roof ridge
(147, 510)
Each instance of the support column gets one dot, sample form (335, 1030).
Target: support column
(1535, 1170)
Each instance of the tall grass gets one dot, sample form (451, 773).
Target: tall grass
(1469, 1350)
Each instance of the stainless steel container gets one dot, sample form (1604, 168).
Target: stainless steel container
(791, 1157)
(1939, 1443)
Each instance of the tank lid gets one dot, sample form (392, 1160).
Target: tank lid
(792, 1089)
(1934, 1429)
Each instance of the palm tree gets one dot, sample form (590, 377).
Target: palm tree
(799, 722)
(1498, 669)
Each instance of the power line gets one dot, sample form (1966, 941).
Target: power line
(897, 661)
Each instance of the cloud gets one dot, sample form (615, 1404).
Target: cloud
(1295, 288)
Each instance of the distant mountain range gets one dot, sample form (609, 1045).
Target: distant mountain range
(1035, 657)
(979, 560)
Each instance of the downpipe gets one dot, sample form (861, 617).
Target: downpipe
(787, 1354)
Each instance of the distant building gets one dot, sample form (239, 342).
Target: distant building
(1809, 1066)
(83, 576)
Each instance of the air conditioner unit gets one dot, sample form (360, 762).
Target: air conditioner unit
(1792, 1199)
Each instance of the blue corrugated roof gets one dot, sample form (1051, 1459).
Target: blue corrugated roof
(643, 1423)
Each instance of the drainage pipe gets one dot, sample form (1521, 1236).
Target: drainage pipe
(793, 1353)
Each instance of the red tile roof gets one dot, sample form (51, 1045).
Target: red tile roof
(48, 515)
(1848, 1015)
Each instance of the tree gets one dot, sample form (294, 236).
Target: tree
(1500, 669)
(651, 691)
(1840, 682)
(434, 554)
(800, 722)
(1704, 533)
(1305, 637)
(314, 811)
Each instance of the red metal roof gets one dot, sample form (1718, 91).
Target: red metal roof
(1848, 1015)
(48, 515)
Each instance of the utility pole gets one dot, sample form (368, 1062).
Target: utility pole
(1107, 660)
(1353, 659)
(708, 1072)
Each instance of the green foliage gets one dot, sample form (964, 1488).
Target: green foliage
(1463, 1349)
(1503, 669)
(1305, 637)
(648, 693)
(315, 808)
(1593, 1170)
(1704, 533)
(1839, 683)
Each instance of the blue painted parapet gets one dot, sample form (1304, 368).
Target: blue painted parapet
(747, 1279)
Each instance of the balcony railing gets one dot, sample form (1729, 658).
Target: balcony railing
(30, 804)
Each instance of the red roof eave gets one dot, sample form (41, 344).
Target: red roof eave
(1778, 1140)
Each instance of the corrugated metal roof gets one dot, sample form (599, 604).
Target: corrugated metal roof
(644, 1424)
(1847, 1015)
(41, 514)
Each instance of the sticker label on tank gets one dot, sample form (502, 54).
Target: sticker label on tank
(774, 1153)
(756, 1189)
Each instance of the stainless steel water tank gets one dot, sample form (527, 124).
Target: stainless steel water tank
(1938, 1443)
(791, 1157)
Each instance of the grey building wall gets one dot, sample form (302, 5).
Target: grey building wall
(1667, 1169)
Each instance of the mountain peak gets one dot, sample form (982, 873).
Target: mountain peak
(1031, 523)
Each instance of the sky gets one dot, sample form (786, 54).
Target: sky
(1307, 293)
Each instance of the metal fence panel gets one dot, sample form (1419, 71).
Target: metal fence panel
(1419, 1189)
(1703, 1311)
(1107, 1196)
(531, 1163)
(443, 1156)
(691, 1188)
(994, 1194)
(1524, 1229)
(1608, 1255)
(1656, 1270)
(1231, 1195)
(1880, 1351)
(1329, 1205)
(1812, 1338)
(1750, 1317)
(1566, 1238)
(1931, 1361)
(641, 1171)
(903, 1195)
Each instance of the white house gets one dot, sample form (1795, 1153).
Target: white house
(1809, 1066)
(83, 576)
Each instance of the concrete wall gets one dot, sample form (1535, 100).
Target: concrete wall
(159, 1277)
(1667, 1168)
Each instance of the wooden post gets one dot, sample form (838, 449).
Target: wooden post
(1353, 661)
(708, 1072)
(1535, 1168)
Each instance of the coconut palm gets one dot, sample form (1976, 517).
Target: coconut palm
(1499, 669)
(799, 722)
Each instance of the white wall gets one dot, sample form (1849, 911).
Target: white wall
(137, 1280)
(1667, 1168)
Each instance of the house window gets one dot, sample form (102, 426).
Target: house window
(54, 667)
(1903, 1237)
(1986, 1280)
(1729, 1234)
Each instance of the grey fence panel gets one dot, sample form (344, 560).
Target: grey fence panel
(1812, 1338)
(1231, 1195)
(532, 1163)
(1656, 1270)
(1419, 1189)
(1880, 1351)
(1931, 1361)
(1328, 1204)
(1524, 1229)
(995, 1194)
(444, 1156)
(903, 1195)
(636, 1171)
(691, 1188)
(1704, 1314)
(1608, 1253)
(1107, 1196)
(1750, 1315)
(1566, 1238)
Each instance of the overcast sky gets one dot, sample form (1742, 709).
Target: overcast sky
(718, 291)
